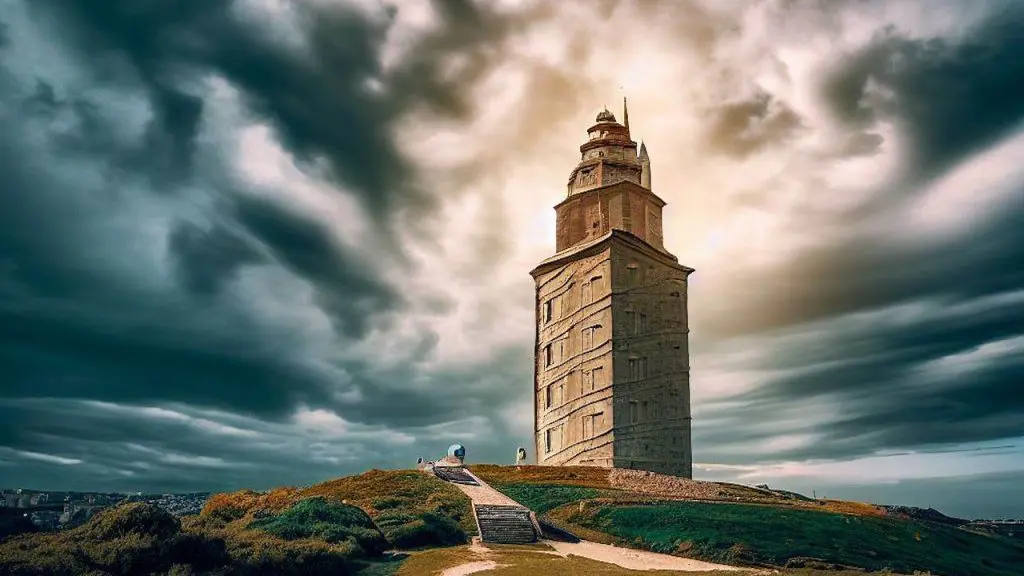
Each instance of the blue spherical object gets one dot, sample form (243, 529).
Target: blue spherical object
(457, 450)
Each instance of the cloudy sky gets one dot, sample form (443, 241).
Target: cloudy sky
(260, 242)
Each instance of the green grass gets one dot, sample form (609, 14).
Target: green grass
(544, 497)
(769, 535)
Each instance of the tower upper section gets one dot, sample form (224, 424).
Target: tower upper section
(608, 156)
(610, 189)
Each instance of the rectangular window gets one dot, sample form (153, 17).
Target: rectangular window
(638, 368)
(634, 275)
(631, 321)
(634, 412)
(588, 338)
(641, 323)
(597, 287)
(547, 311)
(645, 411)
(588, 295)
(588, 427)
(561, 393)
(547, 441)
(547, 396)
(547, 356)
(595, 378)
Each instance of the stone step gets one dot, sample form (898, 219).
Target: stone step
(505, 524)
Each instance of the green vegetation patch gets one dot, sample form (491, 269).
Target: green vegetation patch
(135, 538)
(410, 491)
(544, 497)
(328, 521)
(406, 530)
(752, 534)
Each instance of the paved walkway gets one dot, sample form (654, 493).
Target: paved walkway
(634, 559)
(484, 495)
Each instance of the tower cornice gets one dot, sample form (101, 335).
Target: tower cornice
(609, 141)
(596, 245)
(625, 184)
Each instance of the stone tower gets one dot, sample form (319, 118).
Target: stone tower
(612, 370)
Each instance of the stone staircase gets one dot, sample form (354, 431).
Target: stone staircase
(504, 524)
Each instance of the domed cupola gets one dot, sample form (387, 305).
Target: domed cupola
(608, 156)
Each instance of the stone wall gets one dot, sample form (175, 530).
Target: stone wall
(651, 360)
(572, 390)
(622, 206)
(612, 363)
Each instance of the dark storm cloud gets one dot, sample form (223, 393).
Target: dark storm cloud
(205, 259)
(350, 293)
(876, 369)
(179, 448)
(950, 96)
(81, 191)
(316, 97)
(743, 127)
(839, 316)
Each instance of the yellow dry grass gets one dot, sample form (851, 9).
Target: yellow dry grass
(374, 491)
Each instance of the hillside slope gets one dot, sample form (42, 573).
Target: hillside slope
(342, 527)
(729, 523)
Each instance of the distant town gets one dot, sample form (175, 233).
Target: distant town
(51, 511)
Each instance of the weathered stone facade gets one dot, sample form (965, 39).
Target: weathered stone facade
(611, 382)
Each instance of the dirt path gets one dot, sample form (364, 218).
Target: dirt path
(634, 559)
(484, 494)
(470, 568)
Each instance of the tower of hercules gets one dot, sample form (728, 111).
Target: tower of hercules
(611, 363)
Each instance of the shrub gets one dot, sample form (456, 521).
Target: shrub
(404, 530)
(386, 503)
(135, 538)
(331, 522)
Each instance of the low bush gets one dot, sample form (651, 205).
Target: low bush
(135, 538)
(321, 520)
(404, 530)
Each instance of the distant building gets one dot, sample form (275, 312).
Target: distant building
(611, 364)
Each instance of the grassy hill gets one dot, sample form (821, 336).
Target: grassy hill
(339, 528)
(729, 523)
(343, 526)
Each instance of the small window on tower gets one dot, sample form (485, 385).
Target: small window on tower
(634, 412)
(547, 355)
(634, 274)
(547, 440)
(547, 311)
